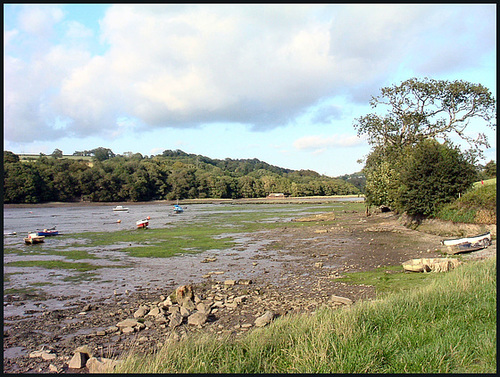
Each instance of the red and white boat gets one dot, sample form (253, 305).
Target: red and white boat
(142, 224)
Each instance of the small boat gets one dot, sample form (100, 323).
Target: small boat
(9, 233)
(34, 238)
(467, 244)
(178, 208)
(120, 208)
(142, 224)
(47, 232)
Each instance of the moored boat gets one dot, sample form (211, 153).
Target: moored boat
(34, 238)
(47, 232)
(141, 224)
(120, 208)
(178, 208)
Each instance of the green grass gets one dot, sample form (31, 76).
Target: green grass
(389, 279)
(445, 326)
(476, 206)
(54, 264)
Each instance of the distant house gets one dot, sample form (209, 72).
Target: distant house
(276, 195)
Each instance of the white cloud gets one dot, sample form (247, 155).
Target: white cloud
(259, 65)
(319, 143)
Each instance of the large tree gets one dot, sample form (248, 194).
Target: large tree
(428, 108)
(420, 111)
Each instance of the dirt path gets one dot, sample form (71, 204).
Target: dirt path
(310, 258)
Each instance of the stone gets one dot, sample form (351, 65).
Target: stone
(245, 281)
(54, 369)
(48, 355)
(101, 365)
(264, 319)
(184, 293)
(188, 304)
(175, 319)
(229, 282)
(185, 312)
(141, 312)
(197, 319)
(203, 308)
(128, 330)
(341, 300)
(78, 360)
(128, 323)
(154, 311)
(318, 264)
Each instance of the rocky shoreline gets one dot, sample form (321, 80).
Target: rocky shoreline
(86, 336)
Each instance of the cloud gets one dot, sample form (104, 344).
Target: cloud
(189, 65)
(319, 143)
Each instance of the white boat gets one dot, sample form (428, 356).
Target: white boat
(34, 238)
(142, 224)
(467, 244)
(120, 208)
(480, 239)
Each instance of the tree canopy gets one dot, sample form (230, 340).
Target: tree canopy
(428, 108)
(408, 169)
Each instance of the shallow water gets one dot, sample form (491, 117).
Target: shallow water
(248, 259)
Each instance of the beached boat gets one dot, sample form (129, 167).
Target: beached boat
(34, 238)
(141, 224)
(467, 244)
(9, 233)
(47, 232)
(120, 208)
(178, 208)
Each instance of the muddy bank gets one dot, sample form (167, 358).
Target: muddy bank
(290, 270)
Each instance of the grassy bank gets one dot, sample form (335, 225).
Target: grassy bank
(445, 326)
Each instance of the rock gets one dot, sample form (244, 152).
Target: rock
(54, 369)
(48, 355)
(128, 330)
(154, 311)
(244, 282)
(101, 365)
(342, 300)
(188, 304)
(197, 319)
(230, 282)
(175, 319)
(264, 319)
(174, 309)
(203, 308)
(78, 360)
(318, 264)
(141, 312)
(128, 323)
(185, 312)
(184, 293)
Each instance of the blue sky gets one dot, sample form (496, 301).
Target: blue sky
(281, 83)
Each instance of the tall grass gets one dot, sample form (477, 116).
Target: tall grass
(447, 326)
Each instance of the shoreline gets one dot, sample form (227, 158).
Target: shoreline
(286, 200)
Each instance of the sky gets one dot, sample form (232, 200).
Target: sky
(282, 83)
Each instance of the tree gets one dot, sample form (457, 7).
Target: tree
(428, 108)
(431, 175)
(102, 154)
(57, 153)
(8, 156)
(490, 169)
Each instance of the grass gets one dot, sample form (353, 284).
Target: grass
(476, 206)
(445, 326)
(54, 264)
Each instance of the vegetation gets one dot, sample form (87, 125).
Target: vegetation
(478, 205)
(171, 175)
(447, 326)
(408, 169)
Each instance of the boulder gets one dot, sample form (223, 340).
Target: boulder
(141, 312)
(101, 365)
(197, 319)
(78, 360)
(264, 319)
(175, 319)
(431, 264)
(340, 300)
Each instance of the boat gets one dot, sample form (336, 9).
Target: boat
(120, 208)
(34, 238)
(178, 208)
(467, 244)
(9, 233)
(47, 232)
(142, 224)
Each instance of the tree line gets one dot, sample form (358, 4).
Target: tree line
(108, 177)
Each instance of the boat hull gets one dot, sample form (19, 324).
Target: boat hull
(48, 233)
(34, 239)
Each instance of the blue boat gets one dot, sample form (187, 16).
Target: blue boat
(47, 232)
(178, 208)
